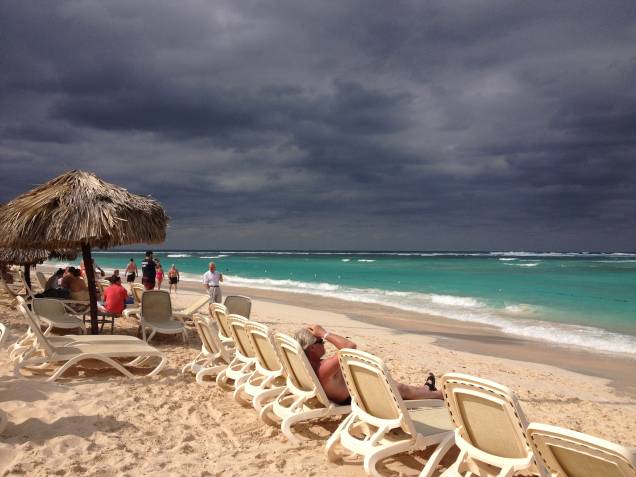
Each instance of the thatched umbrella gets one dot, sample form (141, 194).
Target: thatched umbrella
(77, 210)
(29, 257)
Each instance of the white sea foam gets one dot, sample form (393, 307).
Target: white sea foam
(366, 260)
(214, 256)
(345, 260)
(179, 255)
(516, 319)
(506, 259)
(457, 301)
(522, 264)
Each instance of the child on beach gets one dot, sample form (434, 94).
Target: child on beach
(328, 370)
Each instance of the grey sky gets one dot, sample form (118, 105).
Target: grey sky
(357, 125)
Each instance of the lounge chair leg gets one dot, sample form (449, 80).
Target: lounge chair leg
(334, 439)
(437, 455)
(265, 414)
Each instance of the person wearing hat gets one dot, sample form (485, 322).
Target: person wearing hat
(148, 271)
(313, 338)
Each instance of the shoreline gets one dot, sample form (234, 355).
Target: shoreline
(453, 335)
(93, 421)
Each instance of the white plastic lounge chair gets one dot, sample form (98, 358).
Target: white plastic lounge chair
(242, 365)
(303, 398)
(220, 315)
(214, 356)
(381, 424)
(50, 357)
(137, 291)
(41, 280)
(490, 428)
(186, 313)
(267, 380)
(102, 284)
(567, 453)
(156, 314)
(54, 314)
(238, 305)
(27, 344)
(11, 291)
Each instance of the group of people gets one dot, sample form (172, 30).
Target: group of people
(152, 273)
(312, 338)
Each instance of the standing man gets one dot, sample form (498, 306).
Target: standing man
(131, 271)
(211, 280)
(148, 271)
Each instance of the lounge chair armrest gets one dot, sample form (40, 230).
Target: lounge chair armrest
(416, 403)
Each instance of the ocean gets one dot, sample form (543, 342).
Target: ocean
(573, 299)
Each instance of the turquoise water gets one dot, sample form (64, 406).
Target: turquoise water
(574, 299)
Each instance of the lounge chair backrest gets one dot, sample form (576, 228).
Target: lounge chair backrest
(220, 315)
(156, 306)
(373, 391)
(3, 334)
(239, 334)
(208, 333)
(5, 286)
(137, 292)
(34, 324)
(487, 415)
(299, 372)
(238, 305)
(262, 341)
(41, 279)
(103, 284)
(198, 303)
(567, 453)
(49, 308)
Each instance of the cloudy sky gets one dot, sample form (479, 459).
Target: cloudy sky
(422, 125)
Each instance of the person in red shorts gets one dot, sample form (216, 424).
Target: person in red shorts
(115, 297)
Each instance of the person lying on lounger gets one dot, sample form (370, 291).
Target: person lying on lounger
(312, 340)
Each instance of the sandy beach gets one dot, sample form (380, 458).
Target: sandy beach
(104, 424)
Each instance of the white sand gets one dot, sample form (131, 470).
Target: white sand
(107, 425)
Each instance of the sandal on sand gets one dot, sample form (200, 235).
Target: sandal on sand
(430, 382)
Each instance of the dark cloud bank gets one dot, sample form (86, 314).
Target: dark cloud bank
(369, 125)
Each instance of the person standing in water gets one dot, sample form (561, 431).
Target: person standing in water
(211, 282)
(173, 278)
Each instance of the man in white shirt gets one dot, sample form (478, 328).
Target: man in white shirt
(211, 281)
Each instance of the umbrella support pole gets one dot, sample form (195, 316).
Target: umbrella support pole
(90, 275)
(27, 276)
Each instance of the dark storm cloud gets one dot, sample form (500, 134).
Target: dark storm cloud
(380, 125)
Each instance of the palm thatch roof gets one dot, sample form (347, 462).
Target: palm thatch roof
(15, 256)
(77, 208)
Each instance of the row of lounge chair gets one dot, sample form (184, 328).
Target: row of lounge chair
(482, 418)
(270, 371)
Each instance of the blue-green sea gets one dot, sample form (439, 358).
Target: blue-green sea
(576, 299)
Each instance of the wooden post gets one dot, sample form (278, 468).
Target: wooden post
(90, 275)
(27, 276)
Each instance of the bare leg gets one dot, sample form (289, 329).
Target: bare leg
(418, 392)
